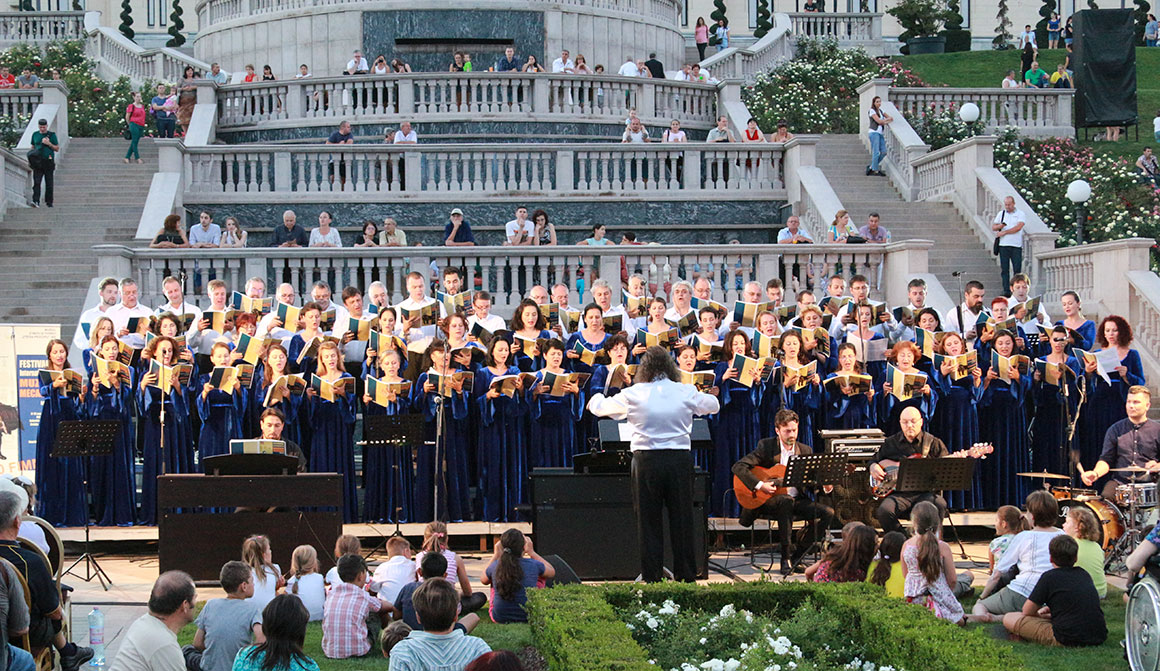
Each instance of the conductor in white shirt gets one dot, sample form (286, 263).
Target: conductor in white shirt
(660, 411)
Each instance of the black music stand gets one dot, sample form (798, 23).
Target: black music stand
(932, 475)
(80, 440)
(400, 432)
(815, 470)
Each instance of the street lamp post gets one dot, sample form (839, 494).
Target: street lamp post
(969, 113)
(1079, 192)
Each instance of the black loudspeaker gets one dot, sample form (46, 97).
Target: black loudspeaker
(1104, 61)
(590, 520)
(564, 573)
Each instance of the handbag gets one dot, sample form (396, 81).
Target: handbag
(125, 132)
(855, 240)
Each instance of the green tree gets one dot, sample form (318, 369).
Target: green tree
(26, 6)
(764, 19)
(1045, 13)
(1092, 4)
(1002, 33)
(176, 25)
(717, 15)
(957, 38)
(126, 26)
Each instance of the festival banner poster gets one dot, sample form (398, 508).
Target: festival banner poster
(22, 348)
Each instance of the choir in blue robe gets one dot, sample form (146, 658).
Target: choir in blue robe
(956, 423)
(178, 452)
(891, 408)
(736, 436)
(587, 434)
(59, 480)
(848, 412)
(289, 405)
(528, 364)
(452, 450)
(1105, 405)
(501, 453)
(114, 482)
(806, 402)
(332, 442)
(554, 421)
(1003, 424)
(221, 418)
(1048, 431)
(389, 472)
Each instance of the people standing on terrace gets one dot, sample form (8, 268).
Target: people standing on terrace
(399, 65)
(582, 65)
(509, 62)
(380, 66)
(290, 234)
(325, 235)
(877, 135)
(564, 63)
(188, 97)
(533, 64)
(357, 65)
(164, 108)
(701, 36)
(135, 118)
(722, 33)
(519, 231)
(392, 235)
(629, 69)
(216, 75)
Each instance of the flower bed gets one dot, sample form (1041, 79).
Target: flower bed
(758, 626)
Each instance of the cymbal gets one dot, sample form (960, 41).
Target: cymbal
(1130, 469)
(1044, 474)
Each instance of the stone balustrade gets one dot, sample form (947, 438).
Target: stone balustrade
(855, 29)
(117, 55)
(53, 108)
(507, 272)
(314, 173)
(19, 103)
(392, 98)
(39, 27)
(1034, 112)
(15, 181)
(746, 62)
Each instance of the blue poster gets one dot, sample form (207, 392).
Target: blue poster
(30, 404)
(22, 355)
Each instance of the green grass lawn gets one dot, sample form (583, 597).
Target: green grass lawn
(987, 69)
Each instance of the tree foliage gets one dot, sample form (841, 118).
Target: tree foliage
(1045, 13)
(126, 26)
(1002, 31)
(1141, 16)
(764, 19)
(717, 14)
(176, 25)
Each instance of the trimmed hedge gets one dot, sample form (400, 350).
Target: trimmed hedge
(576, 627)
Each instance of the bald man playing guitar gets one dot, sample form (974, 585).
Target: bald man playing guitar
(757, 481)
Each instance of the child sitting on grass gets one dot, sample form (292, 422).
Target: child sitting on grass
(398, 570)
(434, 567)
(1063, 608)
(511, 574)
(439, 647)
(225, 626)
(346, 544)
(887, 570)
(345, 616)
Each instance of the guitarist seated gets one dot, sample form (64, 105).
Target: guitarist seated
(911, 442)
(785, 504)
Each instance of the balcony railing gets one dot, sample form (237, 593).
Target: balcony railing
(1035, 112)
(23, 27)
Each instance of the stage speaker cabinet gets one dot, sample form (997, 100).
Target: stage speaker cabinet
(589, 519)
(1104, 62)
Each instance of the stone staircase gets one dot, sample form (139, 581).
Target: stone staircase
(46, 252)
(843, 160)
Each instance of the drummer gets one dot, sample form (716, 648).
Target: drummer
(1134, 441)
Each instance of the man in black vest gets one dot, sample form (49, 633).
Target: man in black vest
(783, 508)
(911, 441)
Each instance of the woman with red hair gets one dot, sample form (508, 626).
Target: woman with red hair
(1105, 404)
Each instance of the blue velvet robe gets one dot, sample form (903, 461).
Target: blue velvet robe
(60, 481)
(554, 419)
(501, 453)
(178, 451)
(956, 422)
(455, 483)
(332, 442)
(736, 436)
(1047, 430)
(1003, 423)
(1105, 405)
(389, 472)
(114, 481)
(849, 412)
(221, 418)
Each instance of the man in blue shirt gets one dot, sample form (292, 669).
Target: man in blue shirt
(290, 234)
(42, 160)
(166, 119)
(509, 62)
(457, 232)
(1133, 441)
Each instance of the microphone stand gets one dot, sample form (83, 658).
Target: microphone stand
(959, 307)
(440, 435)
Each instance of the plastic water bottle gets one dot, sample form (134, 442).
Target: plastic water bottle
(97, 637)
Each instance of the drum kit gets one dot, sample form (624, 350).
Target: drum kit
(1123, 521)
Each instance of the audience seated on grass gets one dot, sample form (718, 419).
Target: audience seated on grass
(440, 646)
(267, 576)
(1063, 608)
(306, 582)
(886, 570)
(344, 622)
(392, 634)
(284, 626)
(498, 660)
(399, 569)
(346, 544)
(511, 574)
(1082, 525)
(227, 625)
(433, 567)
(435, 540)
(1029, 551)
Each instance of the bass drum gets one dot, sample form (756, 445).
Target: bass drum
(1142, 625)
(1111, 522)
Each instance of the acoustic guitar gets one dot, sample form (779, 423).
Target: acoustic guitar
(885, 487)
(750, 499)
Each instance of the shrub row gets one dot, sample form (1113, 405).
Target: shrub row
(576, 628)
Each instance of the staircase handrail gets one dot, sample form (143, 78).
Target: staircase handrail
(117, 55)
(15, 180)
(746, 62)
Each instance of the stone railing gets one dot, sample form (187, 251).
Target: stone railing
(454, 96)
(52, 107)
(508, 272)
(15, 181)
(23, 27)
(212, 12)
(1035, 112)
(746, 62)
(19, 104)
(117, 55)
(304, 173)
(1144, 315)
(849, 29)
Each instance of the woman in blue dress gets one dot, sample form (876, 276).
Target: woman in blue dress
(737, 424)
(687, 363)
(592, 338)
(1053, 409)
(529, 323)
(654, 323)
(1073, 319)
(554, 439)
(456, 439)
(59, 481)
(845, 408)
(176, 452)
(1003, 424)
(388, 470)
(332, 426)
(807, 401)
(311, 316)
(102, 328)
(1106, 401)
(956, 419)
(220, 411)
(905, 355)
(502, 455)
(113, 477)
(275, 364)
(768, 330)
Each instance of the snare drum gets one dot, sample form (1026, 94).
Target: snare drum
(1074, 493)
(1143, 494)
(1111, 522)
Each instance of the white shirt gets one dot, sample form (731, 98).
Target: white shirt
(1010, 83)
(673, 315)
(559, 65)
(265, 591)
(1029, 550)
(265, 329)
(513, 226)
(492, 323)
(332, 237)
(426, 331)
(951, 322)
(202, 342)
(786, 455)
(629, 69)
(149, 645)
(1010, 219)
(408, 137)
(185, 308)
(120, 316)
(355, 350)
(626, 321)
(361, 65)
(660, 412)
(1040, 317)
(311, 592)
(341, 318)
(1156, 124)
(1026, 37)
(391, 575)
(90, 317)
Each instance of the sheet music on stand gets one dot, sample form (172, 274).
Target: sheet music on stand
(815, 470)
(393, 430)
(82, 439)
(932, 475)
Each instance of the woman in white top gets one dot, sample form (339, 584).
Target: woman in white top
(306, 582)
(380, 66)
(325, 235)
(233, 236)
(674, 133)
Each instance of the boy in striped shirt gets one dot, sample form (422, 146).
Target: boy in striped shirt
(439, 647)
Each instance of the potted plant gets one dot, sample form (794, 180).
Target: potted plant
(921, 21)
